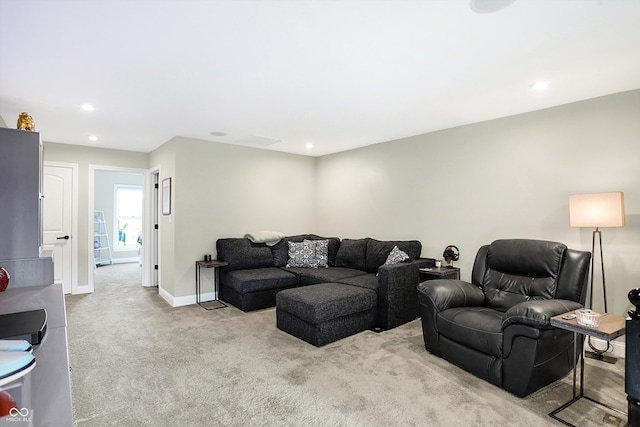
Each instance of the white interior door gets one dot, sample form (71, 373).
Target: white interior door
(58, 221)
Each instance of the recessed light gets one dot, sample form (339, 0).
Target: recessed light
(218, 133)
(541, 85)
(93, 138)
(87, 107)
(309, 146)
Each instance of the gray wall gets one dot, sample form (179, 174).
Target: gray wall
(85, 156)
(467, 186)
(505, 178)
(164, 157)
(221, 190)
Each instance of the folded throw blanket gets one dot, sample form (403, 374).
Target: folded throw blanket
(270, 238)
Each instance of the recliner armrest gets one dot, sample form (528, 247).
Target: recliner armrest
(537, 313)
(446, 293)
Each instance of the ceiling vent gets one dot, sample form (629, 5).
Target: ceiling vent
(261, 141)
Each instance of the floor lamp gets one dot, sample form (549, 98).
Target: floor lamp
(599, 210)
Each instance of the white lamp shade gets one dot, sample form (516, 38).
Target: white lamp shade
(597, 210)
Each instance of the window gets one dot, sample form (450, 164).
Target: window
(128, 217)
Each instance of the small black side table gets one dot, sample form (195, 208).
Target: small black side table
(214, 303)
(611, 326)
(439, 273)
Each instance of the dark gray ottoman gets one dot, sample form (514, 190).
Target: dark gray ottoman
(324, 313)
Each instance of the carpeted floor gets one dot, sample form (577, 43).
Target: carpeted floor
(136, 361)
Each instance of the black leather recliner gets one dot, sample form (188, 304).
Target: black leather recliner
(497, 327)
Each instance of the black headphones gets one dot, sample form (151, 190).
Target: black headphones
(451, 253)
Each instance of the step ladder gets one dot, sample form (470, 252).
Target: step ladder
(101, 246)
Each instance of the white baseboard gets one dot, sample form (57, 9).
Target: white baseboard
(166, 296)
(186, 300)
(617, 347)
(81, 290)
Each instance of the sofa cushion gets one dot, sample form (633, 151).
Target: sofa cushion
(280, 252)
(326, 301)
(312, 276)
(477, 327)
(368, 280)
(377, 252)
(241, 254)
(260, 279)
(352, 254)
(334, 246)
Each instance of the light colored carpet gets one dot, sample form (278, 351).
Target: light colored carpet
(136, 361)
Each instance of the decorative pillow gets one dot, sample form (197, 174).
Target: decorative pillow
(302, 254)
(378, 251)
(309, 254)
(322, 252)
(396, 256)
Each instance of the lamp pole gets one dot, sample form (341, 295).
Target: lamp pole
(597, 353)
(604, 286)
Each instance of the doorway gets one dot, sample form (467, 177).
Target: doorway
(122, 226)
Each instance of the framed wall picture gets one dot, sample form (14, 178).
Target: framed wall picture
(166, 196)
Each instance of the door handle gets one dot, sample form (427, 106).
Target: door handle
(62, 238)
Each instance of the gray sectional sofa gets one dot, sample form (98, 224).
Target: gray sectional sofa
(354, 292)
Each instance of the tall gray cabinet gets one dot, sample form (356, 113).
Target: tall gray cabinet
(21, 209)
(47, 387)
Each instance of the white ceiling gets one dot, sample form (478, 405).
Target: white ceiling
(337, 74)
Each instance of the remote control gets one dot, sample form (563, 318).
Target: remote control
(569, 316)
